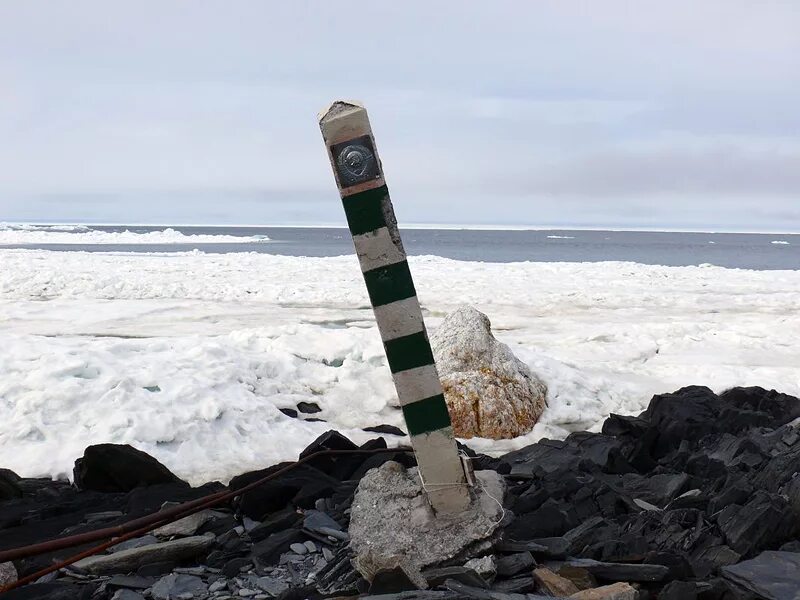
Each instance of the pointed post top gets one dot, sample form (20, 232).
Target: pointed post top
(337, 107)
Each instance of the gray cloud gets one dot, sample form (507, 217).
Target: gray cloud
(513, 112)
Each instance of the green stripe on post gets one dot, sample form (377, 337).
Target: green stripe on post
(364, 210)
(426, 415)
(389, 284)
(408, 352)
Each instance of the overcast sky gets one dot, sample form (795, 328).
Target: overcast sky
(614, 114)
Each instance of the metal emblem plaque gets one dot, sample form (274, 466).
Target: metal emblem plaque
(355, 161)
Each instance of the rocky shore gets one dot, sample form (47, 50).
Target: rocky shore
(696, 498)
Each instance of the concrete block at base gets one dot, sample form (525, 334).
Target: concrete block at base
(392, 523)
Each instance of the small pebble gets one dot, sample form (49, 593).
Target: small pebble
(312, 547)
(218, 585)
(245, 568)
(185, 596)
(239, 529)
(245, 593)
(327, 553)
(299, 548)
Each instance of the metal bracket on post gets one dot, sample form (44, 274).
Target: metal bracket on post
(370, 216)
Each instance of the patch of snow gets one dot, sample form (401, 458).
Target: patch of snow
(189, 356)
(780, 242)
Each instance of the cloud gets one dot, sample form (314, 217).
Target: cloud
(500, 108)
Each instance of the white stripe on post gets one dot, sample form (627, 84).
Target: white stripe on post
(370, 216)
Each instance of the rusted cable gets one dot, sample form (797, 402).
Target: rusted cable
(145, 524)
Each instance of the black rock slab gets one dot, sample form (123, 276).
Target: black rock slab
(46, 591)
(766, 520)
(679, 590)
(289, 412)
(385, 429)
(391, 581)
(508, 566)
(656, 489)
(308, 408)
(339, 467)
(781, 407)
(283, 519)
(436, 577)
(269, 550)
(771, 575)
(546, 521)
(119, 468)
(9, 485)
(711, 559)
(274, 495)
(621, 571)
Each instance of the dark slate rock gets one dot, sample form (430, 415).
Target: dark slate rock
(175, 585)
(621, 571)
(218, 525)
(315, 520)
(391, 581)
(679, 590)
(307, 496)
(656, 489)
(119, 468)
(765, 521)
(145, 500)
(477, 593)
(385, 429)
(436, 577)
(781, 407)
(125, 594)
(234, 566)
(9, 485)
(771, 575)
(283, 519)
(793, 546)
(554, 547)
(550, 456)
(508, 566)
(339, 467)
(130, 582)
(274, 495)
(308, 408)
(269, 550)
(521, 546)
(710, 559)
(156, 568)
(289, 412)
(546, 521)
(778, 470)
(517, 585)
(46, 591)
(376, 460)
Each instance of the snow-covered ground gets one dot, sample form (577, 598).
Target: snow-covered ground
(188, 356)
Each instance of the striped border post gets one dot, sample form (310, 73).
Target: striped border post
(370, 216)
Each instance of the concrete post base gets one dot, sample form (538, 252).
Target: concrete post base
(392, 523)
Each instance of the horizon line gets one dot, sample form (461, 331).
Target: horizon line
(419, 226)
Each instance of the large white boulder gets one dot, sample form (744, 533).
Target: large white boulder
(490, 392)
